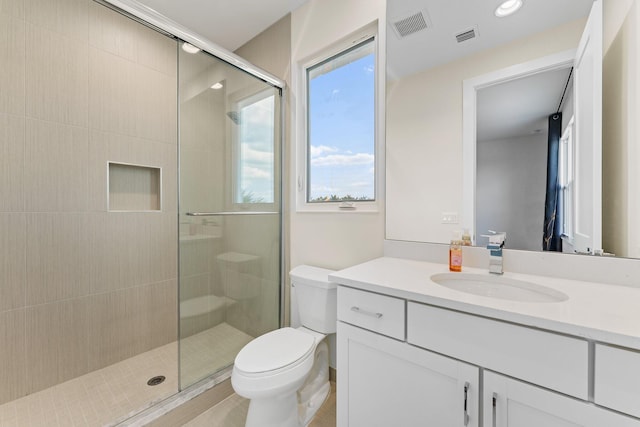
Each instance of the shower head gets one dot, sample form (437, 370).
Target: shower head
(234, 116)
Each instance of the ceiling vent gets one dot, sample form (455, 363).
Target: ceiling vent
(469, 34)
(411, 24)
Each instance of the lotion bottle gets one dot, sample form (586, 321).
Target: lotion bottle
(455, 252)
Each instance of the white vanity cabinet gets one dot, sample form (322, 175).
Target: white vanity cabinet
(406, 363)
(511, 403)
(388, 382)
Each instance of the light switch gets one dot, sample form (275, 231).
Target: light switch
(450, 218)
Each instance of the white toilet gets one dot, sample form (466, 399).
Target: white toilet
(285, 373)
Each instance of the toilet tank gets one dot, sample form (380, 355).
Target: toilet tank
(316, 298)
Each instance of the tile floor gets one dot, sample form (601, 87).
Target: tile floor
(232, 412)
(112, 394)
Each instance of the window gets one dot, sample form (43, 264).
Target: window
(254, 137)
(566, 179)
(340, 164)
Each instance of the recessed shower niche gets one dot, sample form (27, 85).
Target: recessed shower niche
(134, 187)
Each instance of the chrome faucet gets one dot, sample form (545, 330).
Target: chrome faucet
(496, 243)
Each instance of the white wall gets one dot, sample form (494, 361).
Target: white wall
(330, 240)
(424, 135)
(621, 93)
(511, 181)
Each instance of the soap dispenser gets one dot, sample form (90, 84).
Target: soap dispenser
(455, 252)
(466, 237)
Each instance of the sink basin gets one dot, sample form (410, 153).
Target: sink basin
(498, 287)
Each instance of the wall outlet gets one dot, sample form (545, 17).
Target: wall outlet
(450, 218)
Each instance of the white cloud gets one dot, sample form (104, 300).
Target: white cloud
(369, 69)
(343, 160)
(249, 172)
(319, 150)
(251, 155)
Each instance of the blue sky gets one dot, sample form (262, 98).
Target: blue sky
(342, 131)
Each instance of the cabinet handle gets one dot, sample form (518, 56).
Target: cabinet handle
(494, 403)
(466, 395)
(365, 312)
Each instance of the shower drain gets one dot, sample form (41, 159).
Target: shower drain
(156, 380)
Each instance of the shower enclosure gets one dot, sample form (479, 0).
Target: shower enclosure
(140, 211)
(229, 211)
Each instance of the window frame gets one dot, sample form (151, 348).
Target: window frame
(235, 101)
(302, 155)
(566, 179)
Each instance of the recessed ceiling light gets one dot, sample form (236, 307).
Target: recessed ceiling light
(189, 48)
(216, 86)
(508, 7)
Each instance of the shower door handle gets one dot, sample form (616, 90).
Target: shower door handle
(230, 213)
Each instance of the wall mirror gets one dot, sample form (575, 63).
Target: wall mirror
(469, 100)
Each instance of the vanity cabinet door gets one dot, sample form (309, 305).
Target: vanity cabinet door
(384, 382)
(511, 403)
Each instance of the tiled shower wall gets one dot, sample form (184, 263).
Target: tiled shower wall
(81, 287)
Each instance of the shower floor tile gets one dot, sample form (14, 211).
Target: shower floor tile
(114, 393)
(209, 351)
(100, 397)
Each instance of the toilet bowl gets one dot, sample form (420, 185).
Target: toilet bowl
(285, 373)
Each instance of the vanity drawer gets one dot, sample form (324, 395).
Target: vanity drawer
(617, 379)
(554, 361)
(378, 313)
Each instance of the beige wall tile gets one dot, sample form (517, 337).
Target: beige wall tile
(130, 321)
(157, 51)
(55, 177)
(131, 99)
(111, 336)
(165, 243)
(119, 243)
(112, 104)
(162, 309)
(194, 286)
(196, 257)
(13, 8)
(12, 261)
(202, 181)
(12, 139)
(60, 94)
(169, 178)
(56, 337)
(12, 63)
(66, 17)
(156, 107)
(58, 256)
(203, 122)
(112, 32)
(131, 249)
(12, 355)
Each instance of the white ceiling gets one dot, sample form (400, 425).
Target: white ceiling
(228, 23)
(519, 107)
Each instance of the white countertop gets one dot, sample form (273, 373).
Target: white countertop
(599, 312)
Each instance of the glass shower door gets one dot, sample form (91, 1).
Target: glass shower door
(230, 212)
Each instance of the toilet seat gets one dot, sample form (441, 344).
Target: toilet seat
(276, 351)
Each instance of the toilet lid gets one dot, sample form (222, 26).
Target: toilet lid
(274, 350)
